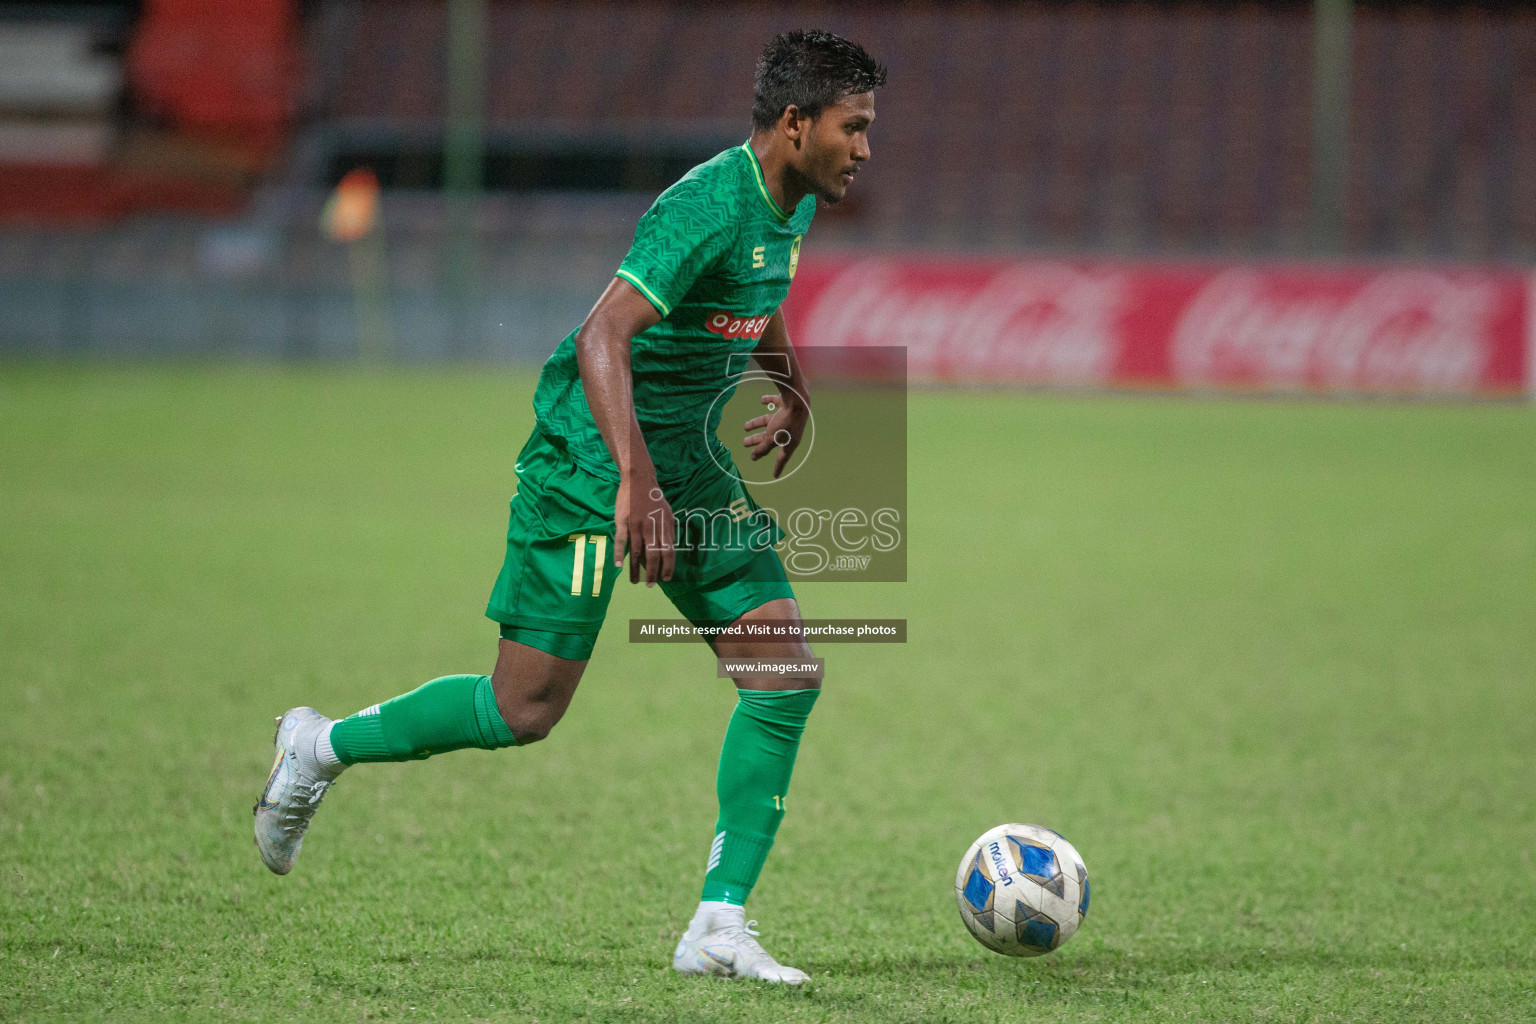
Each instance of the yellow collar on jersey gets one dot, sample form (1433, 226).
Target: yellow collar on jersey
(762, 186)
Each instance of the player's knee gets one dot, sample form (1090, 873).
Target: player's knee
(530, 721)
(532, 733)
(773, 684)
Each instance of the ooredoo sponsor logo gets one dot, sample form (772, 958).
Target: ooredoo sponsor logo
(734, 325)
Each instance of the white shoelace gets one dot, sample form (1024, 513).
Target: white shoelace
(747, 935)
(306, 797)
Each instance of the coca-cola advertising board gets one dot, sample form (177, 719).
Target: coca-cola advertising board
(1328, 330)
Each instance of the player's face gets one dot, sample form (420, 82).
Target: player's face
(837, 143)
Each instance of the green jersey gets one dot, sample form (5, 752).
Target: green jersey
(714, 254)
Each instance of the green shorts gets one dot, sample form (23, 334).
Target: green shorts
(558, 576)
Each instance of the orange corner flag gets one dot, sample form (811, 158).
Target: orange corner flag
(352, 210)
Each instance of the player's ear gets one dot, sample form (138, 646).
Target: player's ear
(794, 124)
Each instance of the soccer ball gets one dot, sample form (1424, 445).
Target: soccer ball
(1022, 890)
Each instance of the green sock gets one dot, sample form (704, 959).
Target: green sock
(755, 764)
(446, 714)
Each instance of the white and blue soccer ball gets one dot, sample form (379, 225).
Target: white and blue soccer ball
(1022, 890)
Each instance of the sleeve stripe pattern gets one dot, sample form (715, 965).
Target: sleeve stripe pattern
(661, 307)
(757, 173)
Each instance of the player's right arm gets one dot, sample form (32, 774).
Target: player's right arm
(642, 519)
(683, 233)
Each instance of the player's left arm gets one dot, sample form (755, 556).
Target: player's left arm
(789, 411)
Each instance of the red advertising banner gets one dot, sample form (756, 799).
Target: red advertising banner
(1331, 330)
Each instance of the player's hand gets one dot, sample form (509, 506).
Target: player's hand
(642, 523)
(782, 427)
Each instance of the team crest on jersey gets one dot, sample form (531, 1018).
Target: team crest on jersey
(794, 255)
(733, 325)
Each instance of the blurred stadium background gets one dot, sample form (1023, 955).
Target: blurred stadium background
(165, 167)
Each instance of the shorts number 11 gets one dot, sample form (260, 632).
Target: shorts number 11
(599, 548)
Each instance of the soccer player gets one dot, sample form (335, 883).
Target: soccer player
(626, 414)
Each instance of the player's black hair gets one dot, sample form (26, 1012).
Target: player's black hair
(810, 70)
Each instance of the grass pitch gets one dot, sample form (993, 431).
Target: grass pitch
(1270, 666)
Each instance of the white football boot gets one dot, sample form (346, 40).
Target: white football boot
(294, 789)
(720, 941)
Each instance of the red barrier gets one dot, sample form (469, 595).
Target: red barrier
(1346, 330)
(225, 67)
